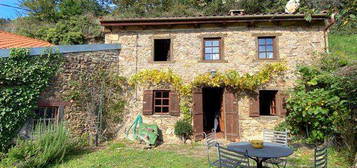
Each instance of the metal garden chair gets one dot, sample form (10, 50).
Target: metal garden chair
(210, 142)
(279, 137)
(320, 156)
(230, 159)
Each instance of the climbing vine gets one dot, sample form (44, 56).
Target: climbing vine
(232, 79)
(97, 103)
(22, 79)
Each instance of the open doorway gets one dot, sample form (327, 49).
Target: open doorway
(213, 117)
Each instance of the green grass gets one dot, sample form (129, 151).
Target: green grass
(118, 155)
(126, 154)
(344, 44)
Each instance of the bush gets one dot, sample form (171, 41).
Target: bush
(49, 145)
(183, 129)
(323, 102)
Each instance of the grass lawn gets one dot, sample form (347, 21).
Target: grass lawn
(346, 44)
(126, 154)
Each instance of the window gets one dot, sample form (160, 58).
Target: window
(266, 47)
(161, 101)
(162, 49)
(212, 48)
(267, 99)
(46, 115)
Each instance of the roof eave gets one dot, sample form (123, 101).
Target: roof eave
(203, 20)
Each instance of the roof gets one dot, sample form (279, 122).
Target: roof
(63, 49)
(11, 40)
(117, 21)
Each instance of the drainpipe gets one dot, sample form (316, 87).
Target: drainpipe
(331, 21)
(136, 61)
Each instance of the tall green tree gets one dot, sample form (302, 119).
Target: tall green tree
(61, 21)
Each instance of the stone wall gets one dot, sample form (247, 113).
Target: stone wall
(80, 121)
(296, 45)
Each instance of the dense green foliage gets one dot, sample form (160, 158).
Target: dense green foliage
(183, 129)
(323, 103)
(22, 79)
(50, 144)
(61, 21)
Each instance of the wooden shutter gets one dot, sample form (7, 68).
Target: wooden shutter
(174, 104)
(61, 113)
(281, 103)
(254, 106)
(197, 114)
(148, 102)
(231, 112)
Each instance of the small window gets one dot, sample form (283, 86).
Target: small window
(267, 102)
(161, 101)
(212, 48)
(266, 47)
(46, 115)
(162, 49)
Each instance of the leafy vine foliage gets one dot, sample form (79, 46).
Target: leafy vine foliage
(232, 79)
(22, 79)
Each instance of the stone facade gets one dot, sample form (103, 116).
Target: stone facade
(296, 44)
(80, 121)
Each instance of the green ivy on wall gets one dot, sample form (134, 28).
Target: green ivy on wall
(22, 79)
(232, 79)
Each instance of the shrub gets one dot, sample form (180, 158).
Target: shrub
(49, 145)
(183, 129)
(323, 102)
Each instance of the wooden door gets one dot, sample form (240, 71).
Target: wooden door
(231, 115)
(197, 114)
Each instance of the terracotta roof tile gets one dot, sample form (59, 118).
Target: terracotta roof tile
(10, 40)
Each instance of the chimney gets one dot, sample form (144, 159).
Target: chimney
(236, 12)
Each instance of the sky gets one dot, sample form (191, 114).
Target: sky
(8, 12)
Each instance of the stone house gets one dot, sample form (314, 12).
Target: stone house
(190, 46)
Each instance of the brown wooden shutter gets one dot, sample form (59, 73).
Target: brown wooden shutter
(174, 104)
(254, 106)
(231, 112)
(197, 114)
(281, 103)
(148, 102)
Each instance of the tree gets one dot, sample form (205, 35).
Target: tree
(61, 21)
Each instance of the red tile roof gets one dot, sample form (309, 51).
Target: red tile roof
(10, 40)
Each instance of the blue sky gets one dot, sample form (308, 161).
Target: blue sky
(7, 12)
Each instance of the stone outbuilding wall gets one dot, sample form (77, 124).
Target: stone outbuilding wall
(77, 59)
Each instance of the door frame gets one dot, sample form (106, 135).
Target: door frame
(229, 101)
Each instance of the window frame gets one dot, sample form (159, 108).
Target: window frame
(274, 46)
(171, 57)
(221, 46)
(274, 100)
(154, 98)
(43, 118)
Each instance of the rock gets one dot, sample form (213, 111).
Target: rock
(292, 6)
(189, 141)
